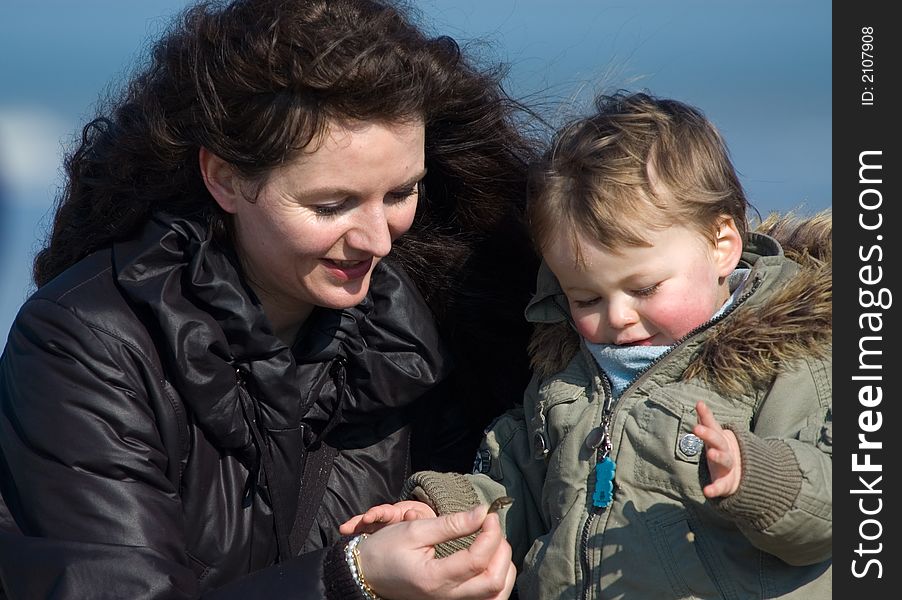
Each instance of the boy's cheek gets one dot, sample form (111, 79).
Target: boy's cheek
(685, 307)
(677, 320)
(589, 327)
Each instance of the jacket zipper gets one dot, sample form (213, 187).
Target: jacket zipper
(584, 550)
(264, 463)
(585, 566)
(603, 451)
(756, 282)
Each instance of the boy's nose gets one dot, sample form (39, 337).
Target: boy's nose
(621, 314)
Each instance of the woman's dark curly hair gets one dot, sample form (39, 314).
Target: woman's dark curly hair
(254, 81)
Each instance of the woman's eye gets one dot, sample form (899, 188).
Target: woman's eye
(403, 195)
(647, 291)
(396, 197)
(328, 210)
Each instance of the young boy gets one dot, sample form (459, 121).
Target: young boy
(661, 318)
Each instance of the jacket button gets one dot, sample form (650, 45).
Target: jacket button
(691, 444)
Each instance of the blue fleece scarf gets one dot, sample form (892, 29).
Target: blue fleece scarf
(622, 363)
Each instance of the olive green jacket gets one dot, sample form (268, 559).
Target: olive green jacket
(764, 368)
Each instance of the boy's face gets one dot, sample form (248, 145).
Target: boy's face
(646, 296)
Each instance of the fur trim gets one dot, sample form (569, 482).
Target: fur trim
(756, 343)
(551, 347)
(800, 236)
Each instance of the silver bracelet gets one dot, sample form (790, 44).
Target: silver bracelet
(352, 557)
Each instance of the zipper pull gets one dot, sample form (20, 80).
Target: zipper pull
(604, 482)
(604, 468)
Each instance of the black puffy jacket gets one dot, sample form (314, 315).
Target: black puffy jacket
(154, 431)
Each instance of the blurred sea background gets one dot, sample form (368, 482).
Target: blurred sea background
(760, 69)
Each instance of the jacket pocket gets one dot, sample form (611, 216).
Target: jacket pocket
(200, 568)
(669, 457)
(691, 564)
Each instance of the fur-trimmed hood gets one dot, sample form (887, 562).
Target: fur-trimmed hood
(790, 314)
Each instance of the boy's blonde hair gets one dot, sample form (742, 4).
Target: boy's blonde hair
(638, 163)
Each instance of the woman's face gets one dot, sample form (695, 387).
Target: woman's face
(320, 224)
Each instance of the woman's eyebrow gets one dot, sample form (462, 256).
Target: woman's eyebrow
(332, 191)
(414, 180)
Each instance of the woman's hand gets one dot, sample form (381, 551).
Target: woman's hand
(722, 453)
(386, 514)
(399, 561)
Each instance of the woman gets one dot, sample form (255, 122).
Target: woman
(232, 342)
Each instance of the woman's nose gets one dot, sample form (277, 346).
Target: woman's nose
(371, 232)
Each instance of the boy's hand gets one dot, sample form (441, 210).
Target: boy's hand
(385, 514)
(722, 452)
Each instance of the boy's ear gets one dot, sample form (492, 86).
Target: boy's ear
(221, 179)
(728, 246)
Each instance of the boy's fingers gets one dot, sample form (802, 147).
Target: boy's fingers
(709, 436)
(715, 457)
(724, 459)
(705, 416)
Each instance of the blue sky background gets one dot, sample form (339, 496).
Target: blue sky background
(760, 69)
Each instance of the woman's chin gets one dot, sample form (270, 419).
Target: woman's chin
(346, 296)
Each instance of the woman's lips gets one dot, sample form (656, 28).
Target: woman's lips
(348, 270)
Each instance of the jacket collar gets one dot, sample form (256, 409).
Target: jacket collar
(189, 292)
(210, 326)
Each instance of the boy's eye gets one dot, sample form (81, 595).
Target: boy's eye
(586, 303)
(647, 291)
